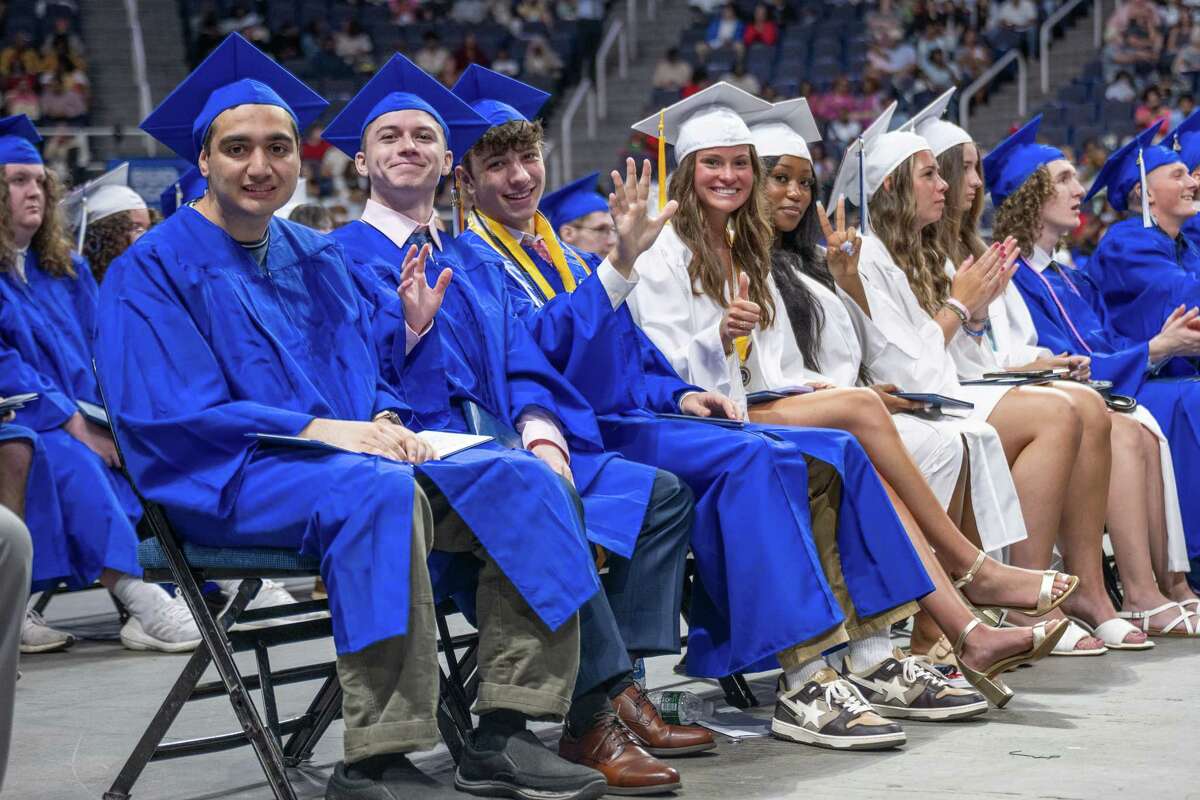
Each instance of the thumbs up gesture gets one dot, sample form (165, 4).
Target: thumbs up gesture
(742, 315)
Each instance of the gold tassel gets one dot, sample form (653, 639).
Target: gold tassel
(662, 160)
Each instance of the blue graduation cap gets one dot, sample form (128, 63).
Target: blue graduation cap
(499, 98)
(190, 186)
(1011, 162)
(1128, 166)
(18, 140)
(577, 199)
(1185, 140)
(236, 73)
(401, 85)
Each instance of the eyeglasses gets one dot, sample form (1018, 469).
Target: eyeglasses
(600, 230)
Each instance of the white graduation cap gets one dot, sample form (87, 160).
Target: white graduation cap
(929, 125)
(784, 130)
(298, 198)
(711, 117)
(107, 195)
(869, 159)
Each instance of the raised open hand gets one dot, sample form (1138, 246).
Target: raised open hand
(421, 301)
(636, 227)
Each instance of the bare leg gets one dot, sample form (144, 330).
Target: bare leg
(925, 631)
(862, 413)
(16, 456)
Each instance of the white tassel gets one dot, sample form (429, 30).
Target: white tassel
(82, 221)
(1147, 220)
(864, 223)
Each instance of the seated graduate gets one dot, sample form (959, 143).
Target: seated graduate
(1058, 449)
(106, 216)
(403, 129)
(1185, 140)
(1144, 265)
(191, 186)
(1142, 514)
(84, 514)
(575, 306)
(225, 322)
(725, 337)
(579, 215)
(833, 341)
(1037, 198)
(16, 554)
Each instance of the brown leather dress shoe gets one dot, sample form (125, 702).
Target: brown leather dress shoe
(660, 739)
(609, 747)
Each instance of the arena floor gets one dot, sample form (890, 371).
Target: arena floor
(1079, 728)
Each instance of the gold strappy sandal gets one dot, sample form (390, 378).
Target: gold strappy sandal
(1045, 635)
(1046, 602)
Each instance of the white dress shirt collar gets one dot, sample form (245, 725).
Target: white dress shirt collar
(1039, 259)
(397, 226)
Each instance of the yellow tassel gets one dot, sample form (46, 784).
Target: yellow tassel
(458, 206)
(662, 160)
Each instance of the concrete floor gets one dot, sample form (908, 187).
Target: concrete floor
(1124, 723)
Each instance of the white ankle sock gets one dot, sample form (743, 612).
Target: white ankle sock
(804, 673)
(141, 598)
(866, 654)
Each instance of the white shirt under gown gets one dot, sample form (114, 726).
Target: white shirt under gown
(685, 325)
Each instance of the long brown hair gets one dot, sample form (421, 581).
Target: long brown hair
(105, 240)
(753, 234)
(50, 244)
(957, 231)
(1020, 215)
(913, 248)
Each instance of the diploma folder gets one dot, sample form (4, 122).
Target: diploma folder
(768, 395)
(93, 414)
(444, 443)
(724, 422)
(16, 402)
(934, 400)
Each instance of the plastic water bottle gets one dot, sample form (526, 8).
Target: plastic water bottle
(681, 708)
(639, 672)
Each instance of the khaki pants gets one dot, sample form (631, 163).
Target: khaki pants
(824, 497)
(390, 689)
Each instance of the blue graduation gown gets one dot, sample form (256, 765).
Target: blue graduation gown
(481, 353)
(1174, 400)
(199, 346)
(1143, 275)
(757, 594)
(82, 514)
(1191, 231)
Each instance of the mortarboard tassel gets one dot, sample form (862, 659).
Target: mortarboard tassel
(1147, 220)
(863, 224)
(82, 221)
(456, 203)
(662, 160)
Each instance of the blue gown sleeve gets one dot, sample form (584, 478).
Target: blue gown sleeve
(52, 408)
(1141, 280)
(183, 436)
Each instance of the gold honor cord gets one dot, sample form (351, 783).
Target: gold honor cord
(498, 237)
(662, 160)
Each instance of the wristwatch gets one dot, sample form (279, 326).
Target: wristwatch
(390, 416)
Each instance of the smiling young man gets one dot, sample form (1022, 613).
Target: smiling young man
(224, 323)
(82, 515)
(401, 128)
(1146, 272)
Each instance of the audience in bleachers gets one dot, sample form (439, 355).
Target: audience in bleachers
(43, 71)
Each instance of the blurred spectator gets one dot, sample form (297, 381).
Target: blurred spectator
(939, 74)
(973, 57)
(469, 12)
(470, 53)
(743, 80)
(62, 103)
(535, 12)
(20, 94)
(725, 28)
(1184, 106)
(672, 72)
(20, 54)
(844, 129)
(433, 55)
(1122, 89)
(1187, 58)
(1152, 109)
(762, 29)
(541, 61)
(62, 41)
(1094, 156)
(208, 36)
(314, 148)
(840, 98)
(870, 101)
(1132, 37)
(706, 7)
(285, 42)
(505, 64)
(699, 81)
(312, 215)
(327, 63)
(1015, 15)
(247, 22)
(934, 37)
(354, 46)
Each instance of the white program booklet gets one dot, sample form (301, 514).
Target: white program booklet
(444, 443)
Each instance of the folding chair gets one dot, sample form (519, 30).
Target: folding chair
(737, 690)
(165, 557)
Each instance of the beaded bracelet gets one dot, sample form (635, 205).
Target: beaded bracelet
(958, 309)
(983, 329)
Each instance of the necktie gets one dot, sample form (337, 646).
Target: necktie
(539, 246)
(420, 237)
(1058, 303)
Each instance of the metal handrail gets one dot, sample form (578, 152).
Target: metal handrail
(583, 94)
(964, 100)
(137, 47)
(612, 37)
(1053, 21)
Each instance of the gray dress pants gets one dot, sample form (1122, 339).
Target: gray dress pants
(16, 555)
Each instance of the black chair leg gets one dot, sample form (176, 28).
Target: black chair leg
(325, 707)
(737, 691)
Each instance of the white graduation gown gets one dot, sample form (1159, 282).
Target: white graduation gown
(1015, 344)
(919, 360)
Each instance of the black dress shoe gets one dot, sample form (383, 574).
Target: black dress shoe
(524, 769)
(395, 778)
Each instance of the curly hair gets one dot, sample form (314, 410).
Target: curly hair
(105, 240)
(51, 243)
(1020, 215)
(914, 249)
(518, 134)
(752, 234)
(957, 231)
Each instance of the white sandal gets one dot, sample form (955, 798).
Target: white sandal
(1067, 644)
(1141, 619)
(1113, 632)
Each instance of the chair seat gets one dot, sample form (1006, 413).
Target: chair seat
(232, 561)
